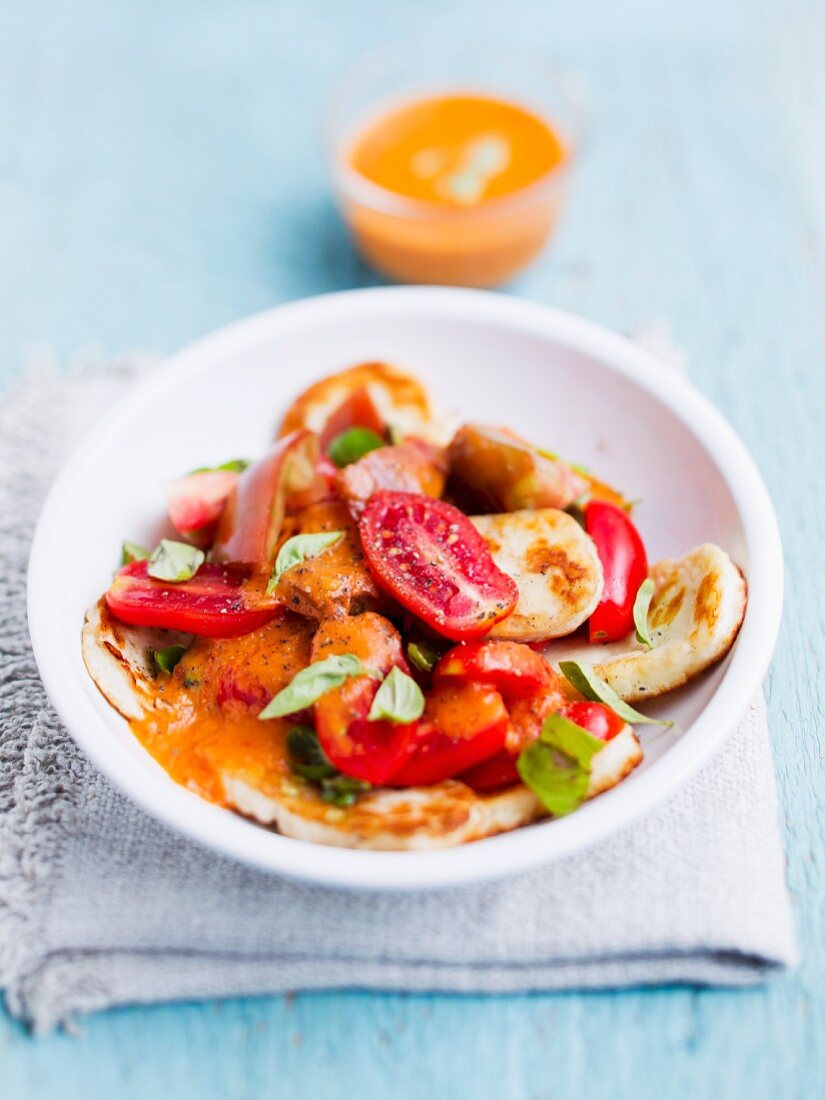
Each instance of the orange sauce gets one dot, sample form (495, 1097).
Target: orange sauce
(205, 718)
(455, 157)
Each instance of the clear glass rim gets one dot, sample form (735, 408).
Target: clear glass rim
(352, 186)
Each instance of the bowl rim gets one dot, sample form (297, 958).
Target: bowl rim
(229, 834)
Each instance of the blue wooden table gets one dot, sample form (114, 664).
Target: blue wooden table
(161, 173)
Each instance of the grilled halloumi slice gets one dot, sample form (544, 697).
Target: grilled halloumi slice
(419, 818)
(695, 614)
(119, 661)
(400, 399)
(555, 565)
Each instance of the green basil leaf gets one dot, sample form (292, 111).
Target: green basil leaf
(423, 656)
(175, 561)
(298, 549)
(234, 466)
(556, 767)
(398, 700)
(353, 444)
(641, 606)
(314, 681)
(592, 687)
(342, 790)
(166, 659)
(132, 551)
(307, 758)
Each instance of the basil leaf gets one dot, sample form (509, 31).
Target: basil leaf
(398, 700)
(307, 757)
(342, 790)
(641, 606)
(314, 681)
(556, 767)
(234, 466)
(132, 551)
(592, 687)
(166, 659)
(353, 444)
(424, 657)
(175, 561)
(298, 549)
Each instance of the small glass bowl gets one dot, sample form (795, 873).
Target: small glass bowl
(421, 241)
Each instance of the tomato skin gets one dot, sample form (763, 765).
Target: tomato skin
(462, 725)
(510, 667)
(195, 503)
(494, 774)
(251, 520)
(358, 410)
(429, 557)
(624, 561)
(596, 718)
(372, 751)
(218, 602)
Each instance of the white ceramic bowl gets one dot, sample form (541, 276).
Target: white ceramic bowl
(557, 379)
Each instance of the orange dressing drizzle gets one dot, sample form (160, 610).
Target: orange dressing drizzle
(205, 719)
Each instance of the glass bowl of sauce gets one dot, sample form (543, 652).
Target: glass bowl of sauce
(452, 168)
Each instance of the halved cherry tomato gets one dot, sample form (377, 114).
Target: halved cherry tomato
(428, 555)
(624, 561)
(462, 725)
(372, 751)
(358, 410)
(220, 601)
(512, 668)
(195, 503)
(596, 718)
(251, 521)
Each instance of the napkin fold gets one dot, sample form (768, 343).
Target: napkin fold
(101, 905)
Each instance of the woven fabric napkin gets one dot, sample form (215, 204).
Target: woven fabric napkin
(100, 905)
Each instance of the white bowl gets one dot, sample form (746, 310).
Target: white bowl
(555, 378)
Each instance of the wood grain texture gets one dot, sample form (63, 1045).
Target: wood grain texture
(160, 175)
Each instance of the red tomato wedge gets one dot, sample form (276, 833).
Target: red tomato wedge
(372, 751)
(195, 503)
(462, 725)
(356, 411)
(493, 774)
(218, 602)
(510, 667)
(428, 555)
(624, 561)
(251, 521)
(596, 718)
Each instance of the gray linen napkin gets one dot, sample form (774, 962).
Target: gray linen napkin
(100, 905)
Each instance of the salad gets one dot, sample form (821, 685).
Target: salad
(393, 631)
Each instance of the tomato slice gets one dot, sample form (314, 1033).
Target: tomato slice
(251, 521)
(358, 410)
(428, 555)
(624, 561)
(218, 602)
(195, 503)
(462, 725)
(596, 718)
(512, 668)
(372, 751)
